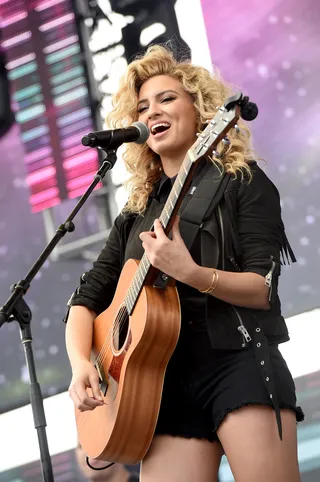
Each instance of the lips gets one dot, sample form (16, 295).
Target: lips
(159, 128)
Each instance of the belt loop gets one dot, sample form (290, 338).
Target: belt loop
(262, 355)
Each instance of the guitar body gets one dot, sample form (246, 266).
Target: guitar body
(133, 367)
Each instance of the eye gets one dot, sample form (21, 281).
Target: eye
(167, 99)
(142, 109)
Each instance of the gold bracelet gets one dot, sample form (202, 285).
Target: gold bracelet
(214, 283)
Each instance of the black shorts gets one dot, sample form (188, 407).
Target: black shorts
(203, 385)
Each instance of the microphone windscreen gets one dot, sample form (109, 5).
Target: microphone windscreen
(144, 132)
(249, 111)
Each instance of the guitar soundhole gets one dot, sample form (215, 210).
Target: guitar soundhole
(120, 328)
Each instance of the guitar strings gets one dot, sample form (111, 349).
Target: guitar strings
(117, 325)
(106, 345)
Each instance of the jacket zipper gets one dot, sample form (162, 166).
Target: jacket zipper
(268, 278)
(235, 264)
(241, 328)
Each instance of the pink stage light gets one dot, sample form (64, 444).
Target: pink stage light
(21, 61)
(56, 22)
(18, 39)
(43, 196)
(62, 43)
(38, 154)
(41, 175)
(82, 158)
(47, 4)
(14, 18)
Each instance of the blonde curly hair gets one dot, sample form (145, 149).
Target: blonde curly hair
(208, 91)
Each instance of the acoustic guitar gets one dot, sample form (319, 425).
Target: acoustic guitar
(135, 337)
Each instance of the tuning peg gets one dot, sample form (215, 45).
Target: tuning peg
(237, 128)
(226, 141)
(216, 154)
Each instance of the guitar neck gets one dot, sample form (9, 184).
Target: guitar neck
(146, 274)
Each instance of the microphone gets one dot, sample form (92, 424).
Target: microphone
(138, 132)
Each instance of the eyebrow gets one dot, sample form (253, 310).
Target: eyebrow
(158, 95)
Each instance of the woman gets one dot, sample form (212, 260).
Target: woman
(226, 380)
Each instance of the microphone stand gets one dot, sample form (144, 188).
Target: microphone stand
(17, 309)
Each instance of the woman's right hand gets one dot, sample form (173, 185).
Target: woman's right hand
(85, 376)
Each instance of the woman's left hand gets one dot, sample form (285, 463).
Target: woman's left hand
(170, 256)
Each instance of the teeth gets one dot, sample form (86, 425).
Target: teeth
(161, 124)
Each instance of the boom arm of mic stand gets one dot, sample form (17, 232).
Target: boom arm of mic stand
(17, 309)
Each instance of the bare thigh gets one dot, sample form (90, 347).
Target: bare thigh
(177, 459)
(253, 448)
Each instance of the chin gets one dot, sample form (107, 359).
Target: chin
(167, 149)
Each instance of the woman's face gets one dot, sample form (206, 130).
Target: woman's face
(168, 110)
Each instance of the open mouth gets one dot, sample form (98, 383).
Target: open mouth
(160, 128)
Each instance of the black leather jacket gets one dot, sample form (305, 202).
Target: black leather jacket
(243, 232)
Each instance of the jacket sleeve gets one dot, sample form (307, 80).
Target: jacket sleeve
(260, 227)
(97, 286)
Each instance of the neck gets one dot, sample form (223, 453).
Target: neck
(171, 166)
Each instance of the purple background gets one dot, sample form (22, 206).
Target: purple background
(270, 51)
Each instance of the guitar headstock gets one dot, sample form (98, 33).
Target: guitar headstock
(226, 118)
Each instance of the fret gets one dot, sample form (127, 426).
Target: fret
(135, 287)
(146, 263)
(128, 300)
(140, 277)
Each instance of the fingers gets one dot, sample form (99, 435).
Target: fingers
(156, 234)
(148, 237)
(94, 384)
(80, 396)
(81, 405)
(158, 229)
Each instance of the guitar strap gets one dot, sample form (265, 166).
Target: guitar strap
(201, 199)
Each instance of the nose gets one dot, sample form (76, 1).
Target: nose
(154, 110)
